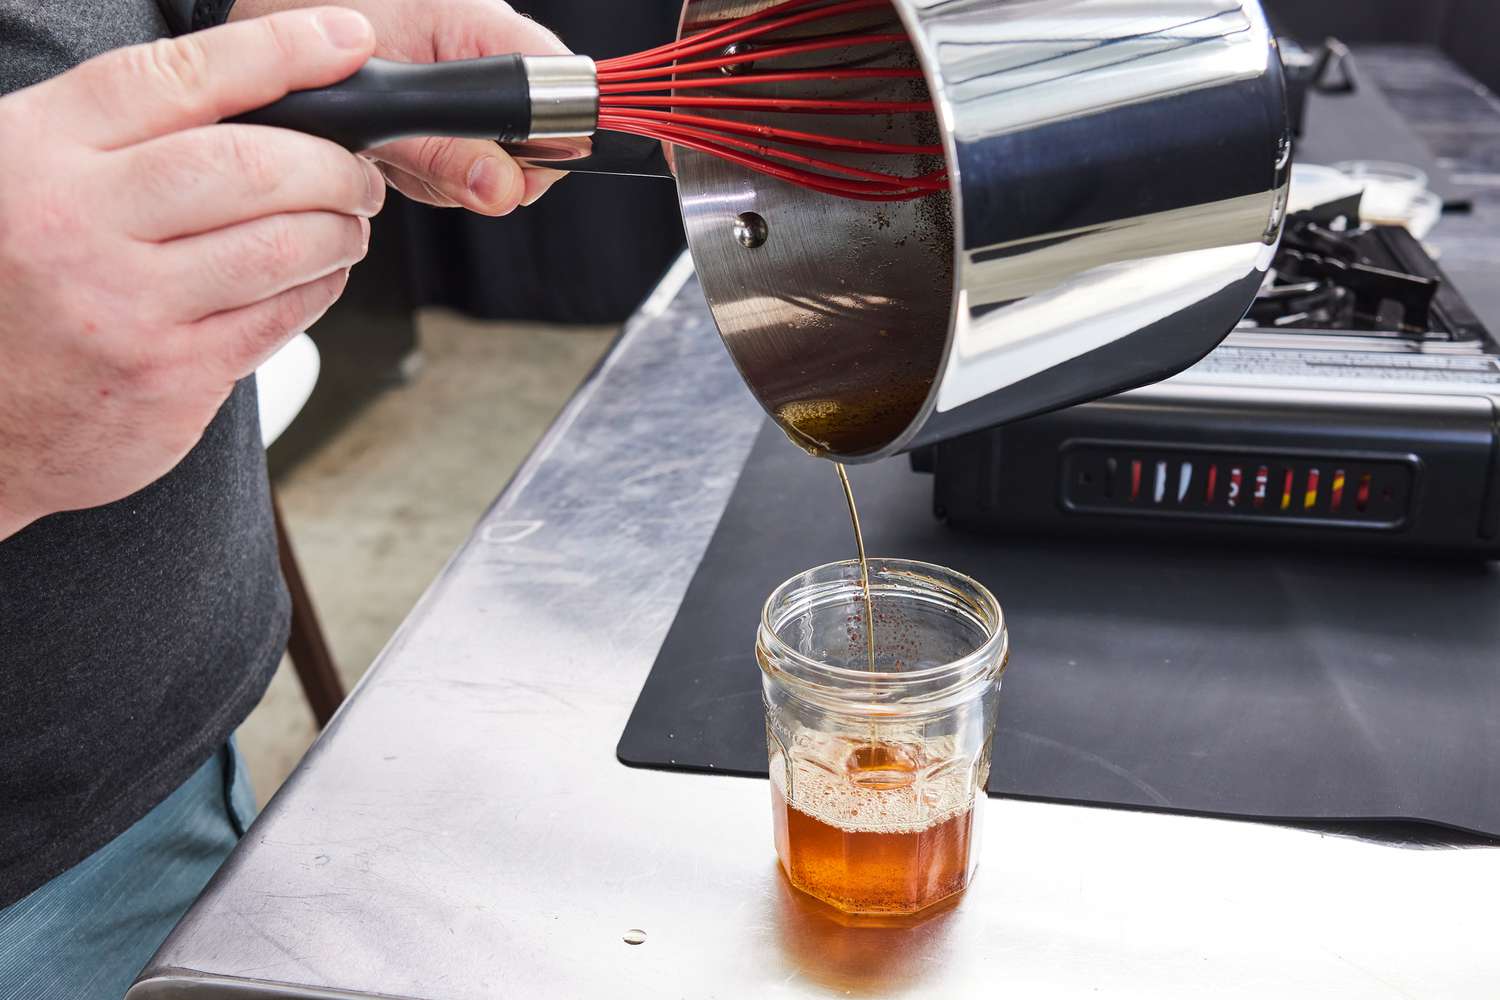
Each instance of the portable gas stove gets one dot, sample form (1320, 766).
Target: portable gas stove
(1358, 404)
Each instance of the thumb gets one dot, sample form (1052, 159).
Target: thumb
(143, 91)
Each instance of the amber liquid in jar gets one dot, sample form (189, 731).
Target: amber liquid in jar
(881, 838)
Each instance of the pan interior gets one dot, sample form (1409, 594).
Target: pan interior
(836, 311)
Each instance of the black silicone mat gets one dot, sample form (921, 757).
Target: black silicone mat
(1245, 682)
(1364, 125)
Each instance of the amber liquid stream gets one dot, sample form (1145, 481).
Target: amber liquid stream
(864, 563)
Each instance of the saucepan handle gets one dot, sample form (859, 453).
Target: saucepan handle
(506, 98)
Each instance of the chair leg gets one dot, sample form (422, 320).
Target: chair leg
(306, 645)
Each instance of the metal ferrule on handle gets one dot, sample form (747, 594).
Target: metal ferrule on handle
(564, 96)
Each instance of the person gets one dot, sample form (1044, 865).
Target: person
(151, 257)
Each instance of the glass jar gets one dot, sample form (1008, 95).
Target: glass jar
(878, 775)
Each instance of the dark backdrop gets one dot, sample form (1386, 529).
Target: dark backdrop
(1468, 29)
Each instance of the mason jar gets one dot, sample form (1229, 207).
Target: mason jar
(878, 769)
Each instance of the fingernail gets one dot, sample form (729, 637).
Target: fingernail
(484, 179)
(344, 29)
(376, 181)
(495, 183)
(364, 232)
(538, 187)
(533, 196)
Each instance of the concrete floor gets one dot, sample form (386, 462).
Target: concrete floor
(376, 512)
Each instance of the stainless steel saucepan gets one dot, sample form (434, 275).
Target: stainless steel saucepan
(1118, 179)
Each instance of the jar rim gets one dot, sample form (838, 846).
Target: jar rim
(810, 671)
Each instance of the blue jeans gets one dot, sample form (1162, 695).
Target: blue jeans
(86, 934)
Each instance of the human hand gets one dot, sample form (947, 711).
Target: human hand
(467, 173)
(150, 258)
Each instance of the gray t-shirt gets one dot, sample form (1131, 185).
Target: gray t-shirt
(136, 636)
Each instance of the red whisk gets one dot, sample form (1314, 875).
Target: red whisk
(694, 93)
(658, 94)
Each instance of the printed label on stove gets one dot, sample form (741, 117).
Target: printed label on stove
(1251, 362)
(1325, 490)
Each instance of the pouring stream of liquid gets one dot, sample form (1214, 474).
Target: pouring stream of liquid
(864, 564)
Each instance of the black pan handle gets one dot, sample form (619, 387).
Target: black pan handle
(472, 98)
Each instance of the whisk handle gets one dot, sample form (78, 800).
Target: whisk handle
(508, 98)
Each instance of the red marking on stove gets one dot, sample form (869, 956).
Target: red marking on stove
(1135, 480)
(1286, 490)
(1310, 498)
(1362, 497)
(1213, 484)
(1236, 480)
(1336, 498)
(1262, 483)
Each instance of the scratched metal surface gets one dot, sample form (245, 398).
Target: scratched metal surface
(463, 831)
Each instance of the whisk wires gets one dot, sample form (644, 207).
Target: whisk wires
(660, 93)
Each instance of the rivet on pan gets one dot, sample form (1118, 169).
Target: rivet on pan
(751, 230)
(731, 51)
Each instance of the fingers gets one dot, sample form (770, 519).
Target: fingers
(500, 30)
(415, 188)
(208, 178)
(238, 341)
(474, 173)
(539, 181)
(142, 91)
(253, 261)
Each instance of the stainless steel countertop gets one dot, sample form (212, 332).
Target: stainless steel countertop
(462, 830)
